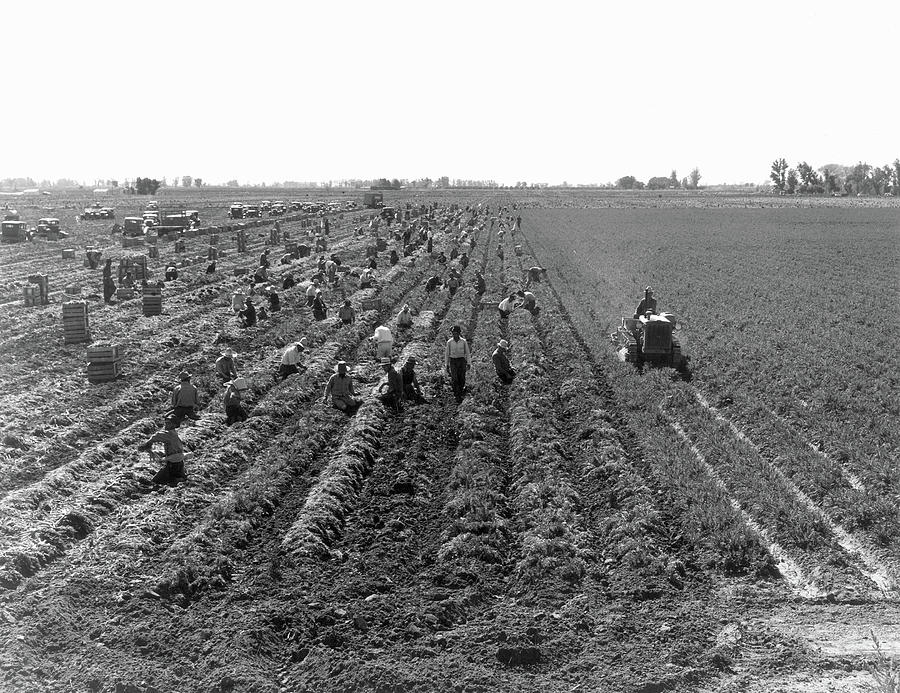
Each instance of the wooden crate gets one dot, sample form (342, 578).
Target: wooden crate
(371, 304)
(72, 289)
(68, 253)
(104, 372)
(153, 251)
(104, 353)
(75, 308)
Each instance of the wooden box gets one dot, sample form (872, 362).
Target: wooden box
(103, 353)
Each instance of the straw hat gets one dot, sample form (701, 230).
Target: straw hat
(503, 344)
(184, 375)
(229, 352)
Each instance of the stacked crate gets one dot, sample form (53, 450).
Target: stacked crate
(68, 253)
(152, 300)
(32, 295)
(75, 322)
(137, 265)
(153, 251)
(242, 241)
(104, 362)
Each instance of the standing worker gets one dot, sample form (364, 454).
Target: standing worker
(457, 360)
(500, 357)
(234, 412)
(225, 366)
(184, 400)
(340, 389)
(173, 455)
(290, 359)
(319, 309)
(384, 342)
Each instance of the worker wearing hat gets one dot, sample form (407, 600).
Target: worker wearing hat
(500, 358)
(340, 389)
(226, 368)
(411, 388)
(319, 309)
(290, 360)
(391, 391)
(234, 412)
(647, 304)
(184, 400)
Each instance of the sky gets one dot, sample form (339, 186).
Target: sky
(550, 92)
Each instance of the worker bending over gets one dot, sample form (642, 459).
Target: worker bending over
(500, 357)
(173, 453)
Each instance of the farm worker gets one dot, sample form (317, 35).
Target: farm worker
(319, 309)
(288, 281)
(457, 360)
(109, 289)
(480, 284)
(472, 243)
(184, 400)
(452, 283)
(648, 303)
(237, 301)
(464, 260)
(247, 316)
(534, 275)
(500, 252)
(518, 251)
(261, 276)
(311, 293)
(225, 365)
(394, 257)
(173, 454)
(285, 259)
(391, 391)
(330, 269)
(384, 342)
(107, 268)
(264, 258)
(529, 302)
(404, 317)
(429, 244)
(340, 389)
(171, 273)
(442, 258)
(365, 279)
(411, 389)
(290, 359)
(320, 264)
(346, 313)
(500, 357)
(127, 280)
(274, 299)
(211, 267)
(454, 252)
(506, 306)
(372, 263)
(234, 412)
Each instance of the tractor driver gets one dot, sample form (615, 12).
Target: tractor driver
(648, 303)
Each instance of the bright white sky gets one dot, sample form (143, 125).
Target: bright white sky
(583, 91)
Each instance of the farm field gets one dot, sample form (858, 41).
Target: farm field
(589, 527)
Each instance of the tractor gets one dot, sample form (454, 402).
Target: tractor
(649, 339)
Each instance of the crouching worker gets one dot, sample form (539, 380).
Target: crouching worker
(184, 400)
(171, 273)
(529, 302)
(500, 357)
(233, 410)
(411, 388)
(290, 360)
(391, 391)
(247, 316)
(340, 389)
(173, 453)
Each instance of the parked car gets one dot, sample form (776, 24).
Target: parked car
(251, 211)
(48, 227)
(236, 211)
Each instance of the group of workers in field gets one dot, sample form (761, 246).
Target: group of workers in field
(399, 386)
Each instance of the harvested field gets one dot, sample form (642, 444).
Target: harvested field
(587, 527)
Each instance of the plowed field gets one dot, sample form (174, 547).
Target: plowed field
(588, 527)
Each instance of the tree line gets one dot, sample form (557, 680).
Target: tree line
(835, 179)
(670, 182)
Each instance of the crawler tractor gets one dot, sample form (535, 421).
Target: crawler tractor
(649, 339)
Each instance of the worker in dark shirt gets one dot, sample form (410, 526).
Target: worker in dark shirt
(500, 357)
(234, 412)
(248, 315)
(648, 303)
(391, 391)
(185, 400)
(411, 388)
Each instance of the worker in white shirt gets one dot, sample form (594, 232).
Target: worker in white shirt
(506, 306)
(290, 360)
(457, 360)
(311, 293)
(384, 342)
(529, 302)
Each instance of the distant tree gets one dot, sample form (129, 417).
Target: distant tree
(673, 179)
(791, 182)
(695, 177)
(629, 183)
(395, 184)
(232, 183)
(779, 169)
(198, 182)
(658, 183)
(808, 174)
(146, 186)
(895, 177)
(186, 181)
